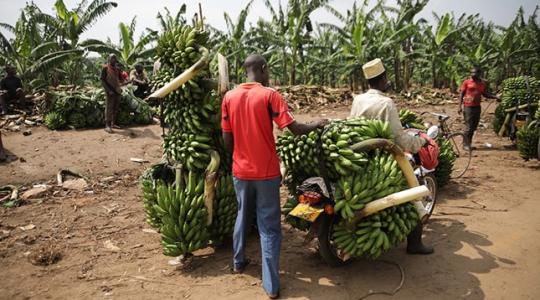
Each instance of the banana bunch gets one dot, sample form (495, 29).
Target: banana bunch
(447, 156)
(295, 151)
(515, 91)
(520, 83)
(179, 206)
(410, 119)
(225, 206)
(148, 181)
(338, 136)
(201, 117)
(189, 149)
(527, 141)
(381, 177)
(377, 233)
(178, 47)
(183, 215)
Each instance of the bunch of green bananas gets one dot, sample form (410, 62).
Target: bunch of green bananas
(294, 151)
(55, 120)
(377, 233)
(225, 208)
(410, 119)
(190, 150)
(516, 90)
(178, 47)
(527, 141)
(200, 117)
(380, 177)
(520, 83)
(447, 157)
(341, 134)
(191, 144)
(159, 172)
(183, 215)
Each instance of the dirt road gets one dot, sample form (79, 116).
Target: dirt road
(485, 232)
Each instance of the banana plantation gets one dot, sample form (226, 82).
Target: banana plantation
(392, 172)
(47, 49)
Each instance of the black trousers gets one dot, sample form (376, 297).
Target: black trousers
(471, 115)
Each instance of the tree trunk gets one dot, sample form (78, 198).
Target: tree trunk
(292, 78)
(285, 75)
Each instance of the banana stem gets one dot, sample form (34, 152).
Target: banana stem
(184, 77)
(223, 68)
(520, 107)
(405, 167)
(210, 184)
(393, 200)
(505, 124)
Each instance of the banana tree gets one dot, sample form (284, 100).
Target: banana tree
(234, 43)
(278, 37)
(355, 35)
(67, 26)
(299, 28)
(33, 50)
(397, 37)
(128, 51)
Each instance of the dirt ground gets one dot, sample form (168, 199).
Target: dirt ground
(485, 231)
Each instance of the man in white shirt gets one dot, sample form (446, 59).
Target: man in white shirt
(373, 104)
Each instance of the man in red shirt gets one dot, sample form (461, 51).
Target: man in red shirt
(472, 91)
(248, 114)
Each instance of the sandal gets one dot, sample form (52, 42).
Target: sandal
(241, 268)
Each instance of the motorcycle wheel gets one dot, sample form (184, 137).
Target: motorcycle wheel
(327, 248)
(429, 201)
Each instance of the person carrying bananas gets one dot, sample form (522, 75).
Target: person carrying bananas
(472, 90)
(248, 114)
(111, 79)
(374, 104)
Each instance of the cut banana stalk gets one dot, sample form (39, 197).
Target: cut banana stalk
(184, 77)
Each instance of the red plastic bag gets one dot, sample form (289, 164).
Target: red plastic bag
(429, 153)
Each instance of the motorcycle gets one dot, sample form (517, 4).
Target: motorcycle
(316, 203)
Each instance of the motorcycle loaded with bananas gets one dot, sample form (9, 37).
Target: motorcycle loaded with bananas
(353, 189)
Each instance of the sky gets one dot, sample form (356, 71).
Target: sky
(501, 12)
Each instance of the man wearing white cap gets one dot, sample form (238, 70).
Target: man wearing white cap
(373, 104)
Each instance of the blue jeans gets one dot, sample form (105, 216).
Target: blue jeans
(264, 196)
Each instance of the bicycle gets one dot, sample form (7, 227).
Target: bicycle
(457, 139)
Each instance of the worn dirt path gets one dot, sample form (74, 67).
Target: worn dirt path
(485, 230)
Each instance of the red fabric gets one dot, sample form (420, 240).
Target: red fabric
(124, 75)
(429, 153)
(473, 92)
(247, 112)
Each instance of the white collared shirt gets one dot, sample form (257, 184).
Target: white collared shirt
(373, 104)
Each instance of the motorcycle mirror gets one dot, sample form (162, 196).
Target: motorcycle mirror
(433, 132)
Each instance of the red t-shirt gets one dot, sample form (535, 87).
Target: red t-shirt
(473, 92)
(247, 112)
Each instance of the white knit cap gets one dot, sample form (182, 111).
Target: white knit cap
(373, 68)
